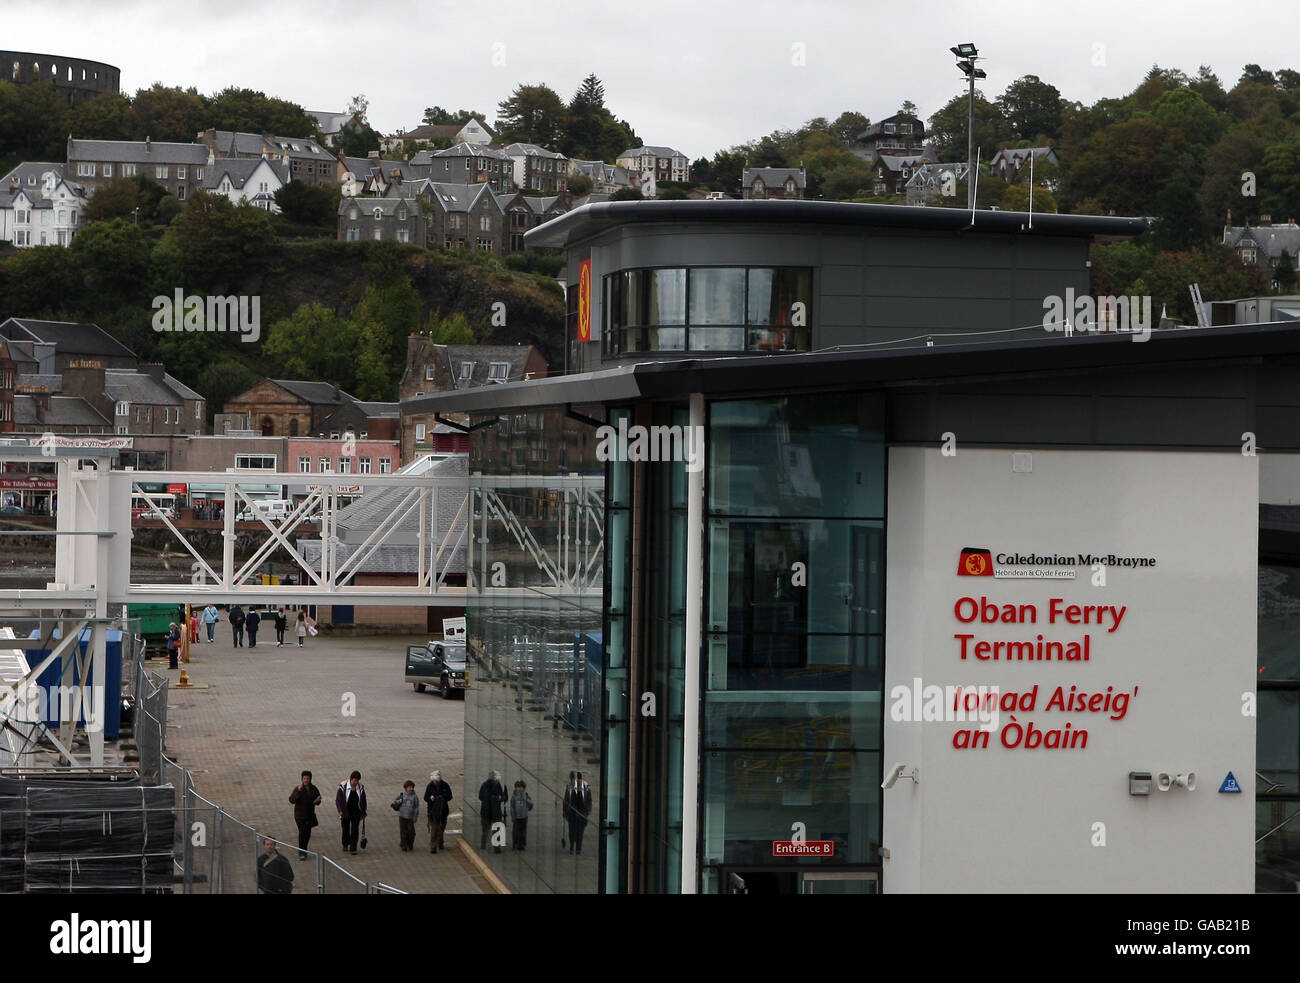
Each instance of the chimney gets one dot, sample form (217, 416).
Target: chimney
(42, 403)
(154, 370)
(147, 145)
(1265, 221)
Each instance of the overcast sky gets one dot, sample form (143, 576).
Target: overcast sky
(695, 76)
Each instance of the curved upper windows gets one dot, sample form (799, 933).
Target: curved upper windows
(708, 309)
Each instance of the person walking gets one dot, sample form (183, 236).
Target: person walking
(281, 623)
(173, 645)
(274, 872)
(302, 628)
(437, 798)
(407, 805)
(210, 619)
(194, 627)
(577, 807)
(350, 801)
(492, 800)
(251, 624)
(521, 804)
(305, 798)
(236, 619)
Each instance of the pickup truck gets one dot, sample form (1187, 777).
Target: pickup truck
(438, 664)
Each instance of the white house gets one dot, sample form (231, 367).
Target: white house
(38, 207)
(241, 179)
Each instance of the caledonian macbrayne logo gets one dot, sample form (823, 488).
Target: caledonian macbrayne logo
(975, 562)
(584, 300)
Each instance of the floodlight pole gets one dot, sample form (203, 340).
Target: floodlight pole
(970, 142)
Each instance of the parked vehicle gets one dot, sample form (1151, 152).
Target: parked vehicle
(274, 509)
(438, 664)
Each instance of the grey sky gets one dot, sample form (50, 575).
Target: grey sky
(695, 76)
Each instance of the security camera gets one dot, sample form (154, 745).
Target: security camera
(895, 773)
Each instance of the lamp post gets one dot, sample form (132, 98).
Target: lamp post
(967, 55)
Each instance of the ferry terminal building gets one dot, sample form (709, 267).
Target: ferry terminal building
(1044, 589)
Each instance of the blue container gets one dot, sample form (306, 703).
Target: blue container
(111, 691)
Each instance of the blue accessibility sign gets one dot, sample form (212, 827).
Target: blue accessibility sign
(1230, 784)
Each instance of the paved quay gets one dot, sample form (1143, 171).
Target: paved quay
(258, 716)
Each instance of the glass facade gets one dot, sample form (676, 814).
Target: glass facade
(534, 608)
(708, 309)
(794, 627)
(1277, 764)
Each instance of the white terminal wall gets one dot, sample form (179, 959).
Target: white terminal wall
(1004, 820)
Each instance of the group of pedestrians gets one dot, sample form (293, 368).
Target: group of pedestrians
(251, 623)
(494, 806)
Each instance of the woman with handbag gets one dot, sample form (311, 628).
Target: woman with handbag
(305, 798)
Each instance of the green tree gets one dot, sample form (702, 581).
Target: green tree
(224, 378)
(579, 185)
(42, 281)
(1280, 178)
(248, 110)
(848, 126)
(113, 257)
(1188, 112)
(1124, 167)
(221, 243)
(627, 194)
(848, 180)
(308, 204)
(1284, 273)
(357, 141)
(169, 114)
(314, 343)
(390, 300)
(437, 116)
(1016, 198)
(532, 114)
(454, 330)
(949, 125)
(586, 113)
(32, 121)
(375, 376)
(1239, 151)
(106, 117)
(908, 108)
(1032, 108)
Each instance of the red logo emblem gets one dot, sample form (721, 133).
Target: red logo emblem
(975, 562)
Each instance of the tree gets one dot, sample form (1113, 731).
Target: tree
(220, 380)
(314, 343)
(1257, 75)
(1284, 273)
(374, 377)
(32, 121)
(1185, 110)
(308, 204)
(586, 113)
(248, 110)
(533, 114)
(357, 140)
(1032, 108)
(908, 108)
(1016, 197)
(727, 168)
(948, 127)
(454, 330)
(437, 116)
(220, 243)
(106, 117)
(1124, 166)
(1241, 150)
(627, 194)
(358, 105)
(113, 258)
(1180, 219)
(849, 180)
(579, 185)
(1280, 181)
(390, 300)
(848, 126)
(169, 114)
(117, 198)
